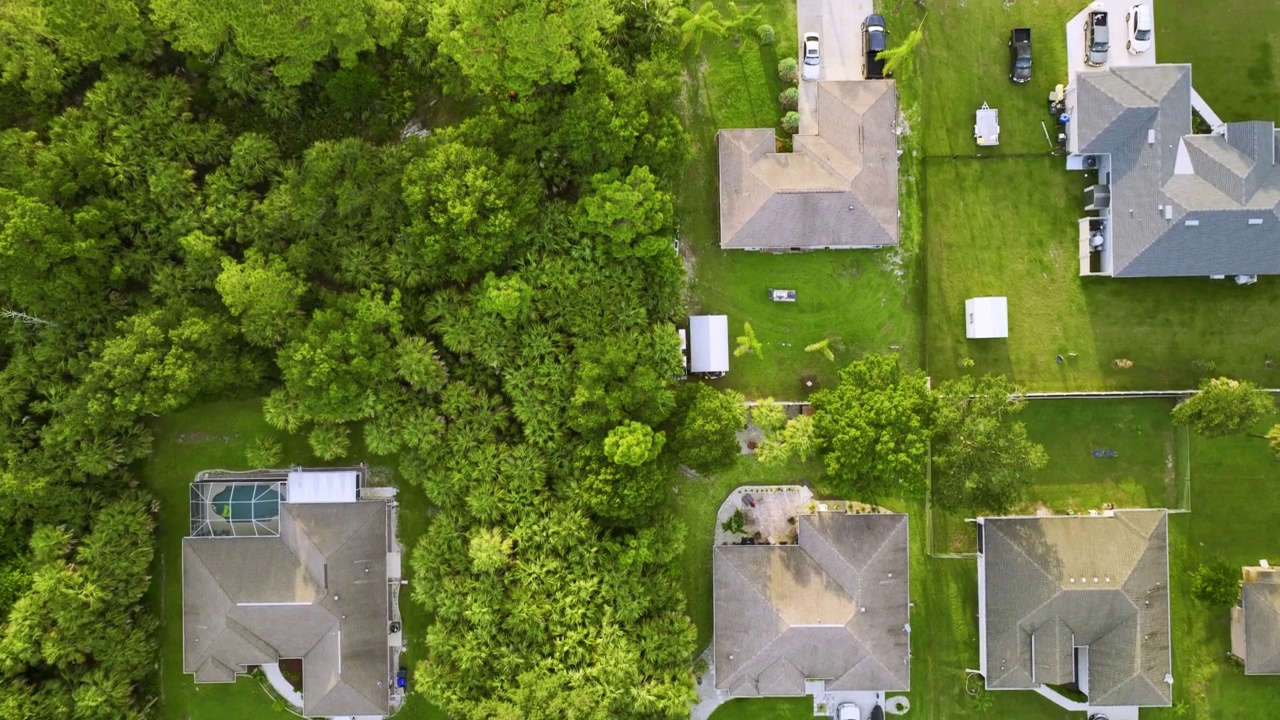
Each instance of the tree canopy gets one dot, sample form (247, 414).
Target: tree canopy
(873, 429)
(1223, 407)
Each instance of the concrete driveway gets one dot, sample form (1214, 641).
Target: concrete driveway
(1117, 56)
(839, 27)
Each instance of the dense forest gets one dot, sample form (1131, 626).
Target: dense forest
(443, 227)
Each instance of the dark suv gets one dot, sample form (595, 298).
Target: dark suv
(874, 42)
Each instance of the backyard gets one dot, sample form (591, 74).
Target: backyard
(214, 436)
(862, 301)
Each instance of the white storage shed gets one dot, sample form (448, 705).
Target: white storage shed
(709, 344)
(986, 317)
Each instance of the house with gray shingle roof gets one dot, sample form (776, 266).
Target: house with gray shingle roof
(1255, 622)
(1077, 600)
(292, 565)
(833, 606)
(837, 188)
(1168, 203)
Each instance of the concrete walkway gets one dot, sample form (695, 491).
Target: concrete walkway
(282, 686)
(708, 697)
(1205, 111)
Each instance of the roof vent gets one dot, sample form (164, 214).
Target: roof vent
(1168, 212)
(1151, 136)
(1255, 221)
(1192, 223)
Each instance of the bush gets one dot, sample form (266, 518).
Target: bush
(1216, 584)
(789, 99)
(264, 453)
(791, 122)
(736, 524)
(765, 34)
(788, 70)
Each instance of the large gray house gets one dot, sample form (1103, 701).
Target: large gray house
(837, 188)
(293, 564)
(1169, 203)
(1255, 622)
(832, 607)
(1077, 600)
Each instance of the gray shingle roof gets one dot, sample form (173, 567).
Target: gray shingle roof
(317, 592)
(834, 606)
(1261, 603)
(1100, 582)
(837, 188)
(1222, 183)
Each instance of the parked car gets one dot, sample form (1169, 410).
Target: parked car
(874, 41)
(811, 66)
(848, 711)
(1020, 55)
(1140, 28)
(1096, 39)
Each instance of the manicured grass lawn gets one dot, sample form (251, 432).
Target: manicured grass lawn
(1007, 227)
(863, 301)
(1144, 472)
(965, 62)
(1232, 45)
(849, 296)
(214, 436)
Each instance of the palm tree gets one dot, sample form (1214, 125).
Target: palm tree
(695, 27)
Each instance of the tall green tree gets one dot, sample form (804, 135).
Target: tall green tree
(873, 428)
(706, 425)
(291, 35)
(983, 459)
(263, 294)
(1223, 407)
(506, 46)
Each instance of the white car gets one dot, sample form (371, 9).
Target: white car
(1139, 22)
(848, 711)
(811, 67)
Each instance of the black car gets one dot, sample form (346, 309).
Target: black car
(1020, 55)
(874, 42)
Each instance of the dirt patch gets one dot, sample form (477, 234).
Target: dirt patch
(198, 437)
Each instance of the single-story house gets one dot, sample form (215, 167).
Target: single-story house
(709, 344)
(1255, 622)
(837, 188)
(1168, 202)
(986, 317)
(1077, 600)
(293, 564)
(834, 606)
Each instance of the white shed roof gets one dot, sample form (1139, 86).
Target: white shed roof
(709, 343)
(319, 486)
(986, 317)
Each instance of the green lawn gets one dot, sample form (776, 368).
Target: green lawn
(213, 436)
(1232, 45)
(863, 301)
(1023, 245)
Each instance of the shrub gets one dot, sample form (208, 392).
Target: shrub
(1216, 584)
(263, 453)
(791, 122)
(788, 70)
(789, 99)
(765, 34)
(736, 524)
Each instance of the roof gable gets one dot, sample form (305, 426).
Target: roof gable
(1261, 603)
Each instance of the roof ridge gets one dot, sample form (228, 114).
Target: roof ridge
(1023, 553)
(826, 541)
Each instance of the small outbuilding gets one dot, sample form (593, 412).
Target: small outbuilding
(986, 317)
(709, 344)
